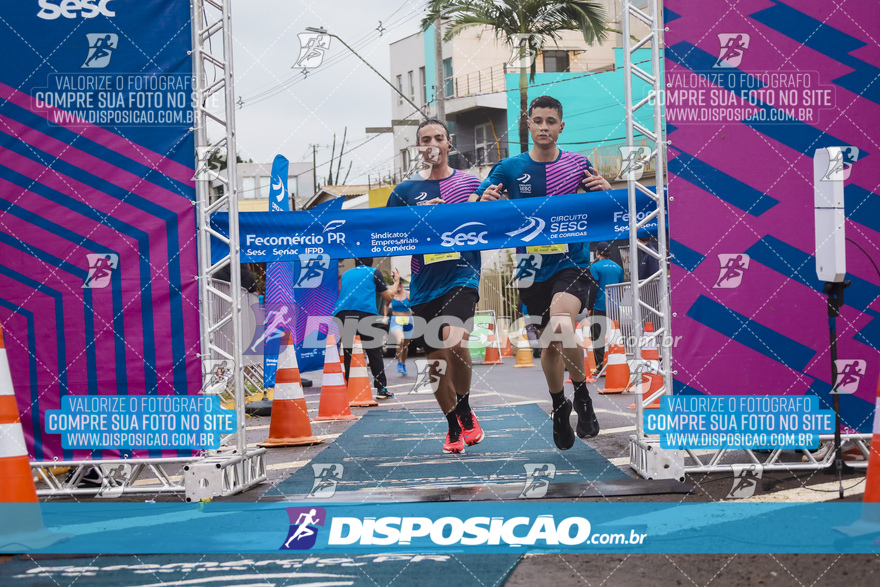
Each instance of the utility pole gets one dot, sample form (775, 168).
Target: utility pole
(315, 167)
(439, 73)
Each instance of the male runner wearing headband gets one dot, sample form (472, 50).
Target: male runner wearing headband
(562, 282)
(445, 285)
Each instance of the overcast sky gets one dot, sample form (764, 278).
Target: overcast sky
(284, 112)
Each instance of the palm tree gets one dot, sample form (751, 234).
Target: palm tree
(523, 24)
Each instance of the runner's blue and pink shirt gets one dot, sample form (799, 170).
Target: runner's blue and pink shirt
(523, 177)
(434, 275)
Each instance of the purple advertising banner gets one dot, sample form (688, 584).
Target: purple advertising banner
(751, 94)
(97, 245)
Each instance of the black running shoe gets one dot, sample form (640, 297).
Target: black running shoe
(383, 393)
(588, 424)
(563, 435)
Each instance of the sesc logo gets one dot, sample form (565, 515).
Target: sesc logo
(456, 238)
(50, 10)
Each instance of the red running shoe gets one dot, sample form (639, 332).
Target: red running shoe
(454, 447)
(473, 435)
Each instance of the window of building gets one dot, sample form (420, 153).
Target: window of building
(556, 61)
(404, 155)
(422, 85)
(264, 187)
(449, 83)
(248, 188)
(400, 89)
(483, 142)
(412, 87)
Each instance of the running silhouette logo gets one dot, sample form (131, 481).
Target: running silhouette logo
(526, 270)
(849, 375)
(632, 162)
(421, 158)
(529, 43)
(209, 161)
(304, 529)
(311, 270)
(428, 380)
(733, 46)
(745, 481)
(840, 165)
(733, 266)
(101, 266)
(101, 48)
(538, 477)
(279, 316)
(312, 48)
(327, 476)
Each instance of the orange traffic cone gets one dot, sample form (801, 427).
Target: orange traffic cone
(872, 484)
(869, 523)
(523, 351)
(589, 361)
(589, 355)
(493, 350)
(506, 347)
(334, 395)
(649, 344)
(617, 371)
(651, 382)
(359, 391)
(290, 417)
(22, 527)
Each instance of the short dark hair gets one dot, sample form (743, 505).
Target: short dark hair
(546, 102)
(368, 261)
(429, 121)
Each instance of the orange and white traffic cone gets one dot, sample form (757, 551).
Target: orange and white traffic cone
(869, 523)
(506, 347)
(651, 382)
(616, 371)
(649, 344)
(589, 361)
(523, 351)
(334, 394)
(589, 355)
(493, 350)
(290, 417)
(359, 391)
(22, 528)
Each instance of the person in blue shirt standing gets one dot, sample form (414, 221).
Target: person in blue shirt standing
(445, 286)
(562, 281)
(606, 272)
(358, 289)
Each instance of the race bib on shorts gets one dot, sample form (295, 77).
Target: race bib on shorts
(403, 320)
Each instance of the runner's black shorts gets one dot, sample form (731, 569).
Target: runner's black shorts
(577, 281)
(459, 303)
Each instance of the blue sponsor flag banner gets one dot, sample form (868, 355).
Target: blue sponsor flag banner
(279, 280)
(487, 527)
(343, 234)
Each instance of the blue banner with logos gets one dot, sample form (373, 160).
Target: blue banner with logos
(529, 222)
(464, 527)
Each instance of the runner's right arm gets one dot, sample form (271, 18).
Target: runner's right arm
(492, 187)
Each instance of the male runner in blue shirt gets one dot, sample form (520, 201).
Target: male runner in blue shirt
(444, 286)
(562, 283)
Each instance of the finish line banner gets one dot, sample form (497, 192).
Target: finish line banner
(530, 222)
(314, 527)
